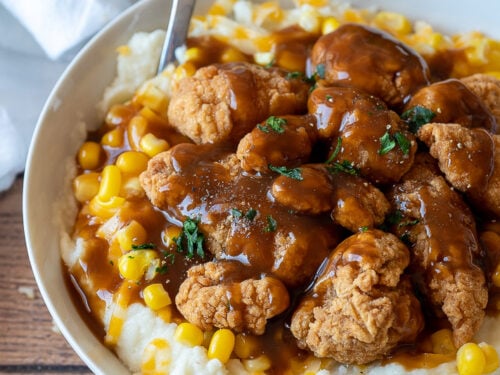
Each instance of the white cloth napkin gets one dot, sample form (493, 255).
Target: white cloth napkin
(26, 76)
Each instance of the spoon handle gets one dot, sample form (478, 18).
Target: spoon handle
(178, 26)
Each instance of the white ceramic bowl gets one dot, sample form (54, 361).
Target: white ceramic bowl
(74, 99)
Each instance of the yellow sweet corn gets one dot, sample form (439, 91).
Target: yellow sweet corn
(245, 345)
(329, 24)
(134, 264)
(188, 334)
(221, 345)
(137, 127)
(156, 297)
(152, 97)
(261, 363)
(152, 145)
(291, 62)
(105, 208)
(153, 118)
(491, 357)
(113, 138)
(393, 22)
(470, 359)
(170, 234)
(86, 186)
(131, 234)
(442, 342)
(121, 301)
(89, 155)
(232, 55)
(193, 54)
(111, 180)
(132, 162)
(184, 70)
(165, 314)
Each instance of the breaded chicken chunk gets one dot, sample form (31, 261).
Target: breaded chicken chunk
(445, 249)
(487, 88)
(489, 200)
(451, 102)
(370, 60)
(354, 203)
(225, 101)
(217, 294)
(465, 155)
(278, 141)
(360, 307)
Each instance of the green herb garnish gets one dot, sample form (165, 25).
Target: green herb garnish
(417, 116)
(273, 123)
(394, 217)
(271, 224)
(363, 229)
(144, 246)
(236, 213)
(335, 152)
(320, 70)
(345, 166)
(190, 240)
(294, 75)
(387, 143)
(250, 214)
(294, 173)
(403, 142)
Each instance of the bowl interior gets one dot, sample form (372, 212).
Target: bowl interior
(74, 100)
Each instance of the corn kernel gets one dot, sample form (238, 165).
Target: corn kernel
(153, 117)
(89, 155)
(189, 334)
(110, 182)
(245, 345)
(329, 24)
(156, 297)
(152, 145)
(442, 342)
(217, 10)
(133, 162)
(165, 314)
(263, 58)
(134, 264)
(261, 363)
(193, 54)
(232, 55)
(184, 70)
(137, 127)
(221, 345)
(131, 234)
(117, 114)
(105, 209)
(152, 97)
(86, 186)
(124, 50)
(470, 359)
(291, 62)
(113, 138)
(170, 234)
(491, 356)
(393, 22)
(495, 277)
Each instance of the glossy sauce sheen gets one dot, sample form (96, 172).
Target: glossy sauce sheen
(206, 191)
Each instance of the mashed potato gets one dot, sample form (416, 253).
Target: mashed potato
(145, 338)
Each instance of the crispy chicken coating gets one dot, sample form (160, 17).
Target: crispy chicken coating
(217, 294)
(370, 60)
(279, 141)
(225, 101)
(445, 249)
(465, 155)
(360, 307)
(487, 88)
(353, 202)
(453, 103)
(489, 200)
(364, 127)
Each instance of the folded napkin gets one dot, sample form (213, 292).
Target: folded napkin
(60, 27)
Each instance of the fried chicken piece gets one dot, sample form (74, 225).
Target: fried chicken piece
(489, 200)
(452, 102)
(487, 88)
(279, 141)
(354, 202)
(370, 60)
(445, 249)
(235, 214)
(224, 101)
(465, 155)
(360, 307)
(217, 294)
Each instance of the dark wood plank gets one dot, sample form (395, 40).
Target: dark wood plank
(29, 342)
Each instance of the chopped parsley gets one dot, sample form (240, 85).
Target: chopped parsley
(273, 123)
(345, 166)
(389, 142)
(294, 75)
(144, 246)
(417, 116)
(251, 213)
(320, 70)
(169, 258)
(363, 229)
(271, 224)
(190, 240)
(335, 152)
(162, 270)
(236, 213)
(394, 217)
(294, 173)
(329, 98)
(408, 223)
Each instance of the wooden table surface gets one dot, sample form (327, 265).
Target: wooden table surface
(29, 342)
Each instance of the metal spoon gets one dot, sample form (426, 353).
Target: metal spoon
(178, 26)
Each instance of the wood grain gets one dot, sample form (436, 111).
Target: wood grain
(29, 342)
